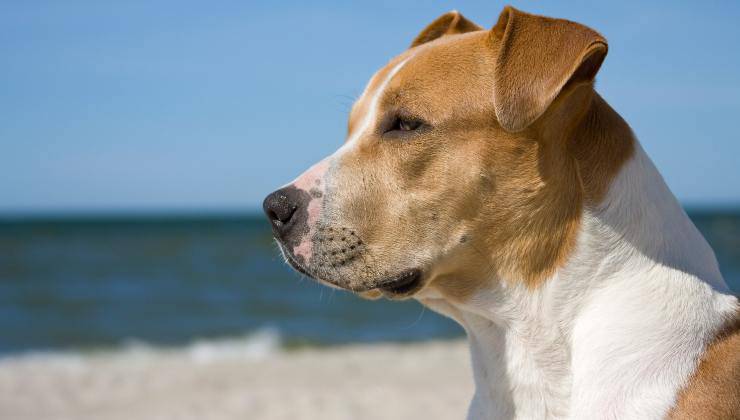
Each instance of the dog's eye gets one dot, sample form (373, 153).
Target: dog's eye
(404, 124)
(407, 125)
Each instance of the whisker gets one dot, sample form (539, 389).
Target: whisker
(413, 324)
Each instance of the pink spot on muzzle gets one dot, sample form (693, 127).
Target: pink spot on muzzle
(311, 181)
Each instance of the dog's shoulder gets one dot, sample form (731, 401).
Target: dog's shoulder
(713, 392)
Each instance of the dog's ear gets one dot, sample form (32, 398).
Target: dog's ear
(538, 58)
(449, 23)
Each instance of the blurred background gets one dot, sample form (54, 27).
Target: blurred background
(138, 139)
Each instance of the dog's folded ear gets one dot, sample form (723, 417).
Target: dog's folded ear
(538, 58)
(449, 23)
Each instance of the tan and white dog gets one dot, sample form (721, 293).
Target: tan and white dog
(484, 176)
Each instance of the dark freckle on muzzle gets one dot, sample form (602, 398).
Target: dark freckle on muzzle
(336, 247)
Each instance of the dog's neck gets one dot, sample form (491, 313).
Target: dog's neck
(641, 284)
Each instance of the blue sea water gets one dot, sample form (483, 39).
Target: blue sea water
(70, 284)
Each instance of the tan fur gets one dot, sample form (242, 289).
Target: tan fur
(713, 392)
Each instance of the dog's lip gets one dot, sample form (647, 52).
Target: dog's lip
(402, 284)
(293, 261)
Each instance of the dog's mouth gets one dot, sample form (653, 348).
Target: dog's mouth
(402, 285)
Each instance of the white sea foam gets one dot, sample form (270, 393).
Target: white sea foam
(257, 345)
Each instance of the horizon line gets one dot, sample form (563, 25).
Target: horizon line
(78, 214)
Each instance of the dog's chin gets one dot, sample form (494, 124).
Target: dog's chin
(401, 286)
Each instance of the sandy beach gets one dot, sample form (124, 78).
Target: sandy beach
(241, 380)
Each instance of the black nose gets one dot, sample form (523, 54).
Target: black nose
(284, 208)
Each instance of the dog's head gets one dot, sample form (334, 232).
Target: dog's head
(460, 163)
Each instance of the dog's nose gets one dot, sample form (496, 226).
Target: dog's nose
(280, 208)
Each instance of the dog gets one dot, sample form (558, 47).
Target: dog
(484, 176)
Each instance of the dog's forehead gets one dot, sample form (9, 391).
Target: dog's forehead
(449, 60)
(433, 74)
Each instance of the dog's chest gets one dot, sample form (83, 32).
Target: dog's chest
(527, 378)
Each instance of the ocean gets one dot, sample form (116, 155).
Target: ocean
(96, 284)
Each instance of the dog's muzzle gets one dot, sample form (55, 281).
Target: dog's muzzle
(329, 253)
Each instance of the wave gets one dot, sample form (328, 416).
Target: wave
(258, 345)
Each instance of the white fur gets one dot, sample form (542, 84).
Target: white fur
(617, 331)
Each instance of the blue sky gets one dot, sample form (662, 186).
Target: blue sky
(190, 106)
